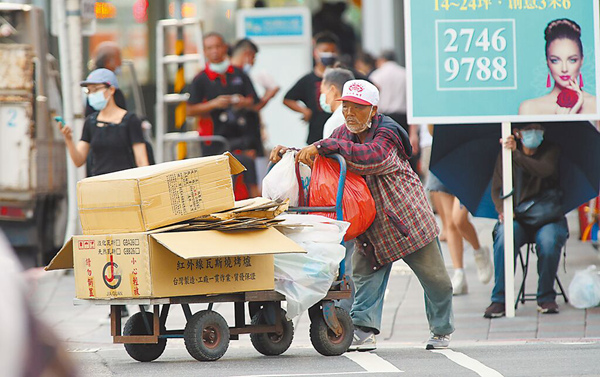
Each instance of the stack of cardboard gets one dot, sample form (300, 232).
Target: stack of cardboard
(255, 213)
(131, 249)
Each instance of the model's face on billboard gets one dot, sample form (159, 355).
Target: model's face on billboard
(564, 61)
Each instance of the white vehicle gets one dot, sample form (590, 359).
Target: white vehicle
(32, 152)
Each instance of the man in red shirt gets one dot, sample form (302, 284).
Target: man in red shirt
(378, 148)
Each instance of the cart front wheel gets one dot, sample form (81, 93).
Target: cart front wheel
(206, 336)
(143, 352)
(272, 344)
(325, 341)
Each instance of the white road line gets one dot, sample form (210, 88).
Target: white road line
(84, 350)
(372, 363)
(305, 374)
(469, 363)
(369, 361)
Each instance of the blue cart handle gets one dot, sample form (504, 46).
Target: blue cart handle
(338, 208)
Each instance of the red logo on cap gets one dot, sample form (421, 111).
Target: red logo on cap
(356, 88)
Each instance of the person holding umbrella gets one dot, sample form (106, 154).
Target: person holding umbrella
(536, 171)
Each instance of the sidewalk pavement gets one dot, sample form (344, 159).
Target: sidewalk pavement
(404, 302)
(404, 321)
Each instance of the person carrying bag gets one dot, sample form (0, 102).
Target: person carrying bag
(539, 210)
(538, 214)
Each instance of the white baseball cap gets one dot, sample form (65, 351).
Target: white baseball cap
(361, 92)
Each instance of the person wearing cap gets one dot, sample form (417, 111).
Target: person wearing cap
(111, 135)
(378, 148)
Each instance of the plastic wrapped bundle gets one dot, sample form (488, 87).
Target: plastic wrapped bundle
(304, 279)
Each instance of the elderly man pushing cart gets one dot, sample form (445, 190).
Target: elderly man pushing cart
(378, 148)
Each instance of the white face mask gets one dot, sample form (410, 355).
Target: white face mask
(361, 127)
(220, 68)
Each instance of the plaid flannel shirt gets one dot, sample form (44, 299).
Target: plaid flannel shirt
(404, 222)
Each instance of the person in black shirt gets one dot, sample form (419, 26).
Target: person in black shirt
(111, 135)
(226, 94)
(307, 89)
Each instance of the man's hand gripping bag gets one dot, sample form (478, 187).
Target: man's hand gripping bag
(357, 203)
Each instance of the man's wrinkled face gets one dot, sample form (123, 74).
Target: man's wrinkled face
(215, 49)
(358, 117)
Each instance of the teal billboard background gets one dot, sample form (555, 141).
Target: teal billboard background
(482, 58)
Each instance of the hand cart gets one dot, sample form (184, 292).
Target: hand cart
(207, 334)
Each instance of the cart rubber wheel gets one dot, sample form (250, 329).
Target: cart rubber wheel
(272, 344)
(143, 352)
(325, 341)
(206, 336)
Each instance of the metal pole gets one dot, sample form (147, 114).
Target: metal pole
(509, 248)
(160, 115)
(65, 73)
(180, 110)
(69, 43)
(76, 57)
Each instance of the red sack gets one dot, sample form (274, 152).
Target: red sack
(357, 203)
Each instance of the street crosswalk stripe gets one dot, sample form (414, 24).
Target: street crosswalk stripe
(372, 363)
(305, 374)
(469, 363)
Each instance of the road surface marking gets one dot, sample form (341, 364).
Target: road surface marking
(305, 374)
(469, 363)
(84, 350)
(371, 362)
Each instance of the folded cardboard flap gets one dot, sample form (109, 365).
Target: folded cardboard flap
(214, 243)
(63, 259)
(202, 244)
(234, 164)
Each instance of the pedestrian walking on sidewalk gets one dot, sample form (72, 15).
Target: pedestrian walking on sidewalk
(111, 136)
(378, 148)
(456, 225)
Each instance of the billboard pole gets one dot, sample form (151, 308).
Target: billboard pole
(509, 251)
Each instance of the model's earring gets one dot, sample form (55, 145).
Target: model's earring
(548, 82)
(580, 81)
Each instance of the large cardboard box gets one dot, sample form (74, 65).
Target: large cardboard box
(170, 264)
(149, 197)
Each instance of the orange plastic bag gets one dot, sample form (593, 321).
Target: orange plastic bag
(357, 203)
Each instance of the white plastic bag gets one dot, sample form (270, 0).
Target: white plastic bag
(281, 182)
(305, 173)
(584, 290)
(304, 279)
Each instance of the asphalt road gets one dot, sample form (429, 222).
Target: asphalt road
(489, 359)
